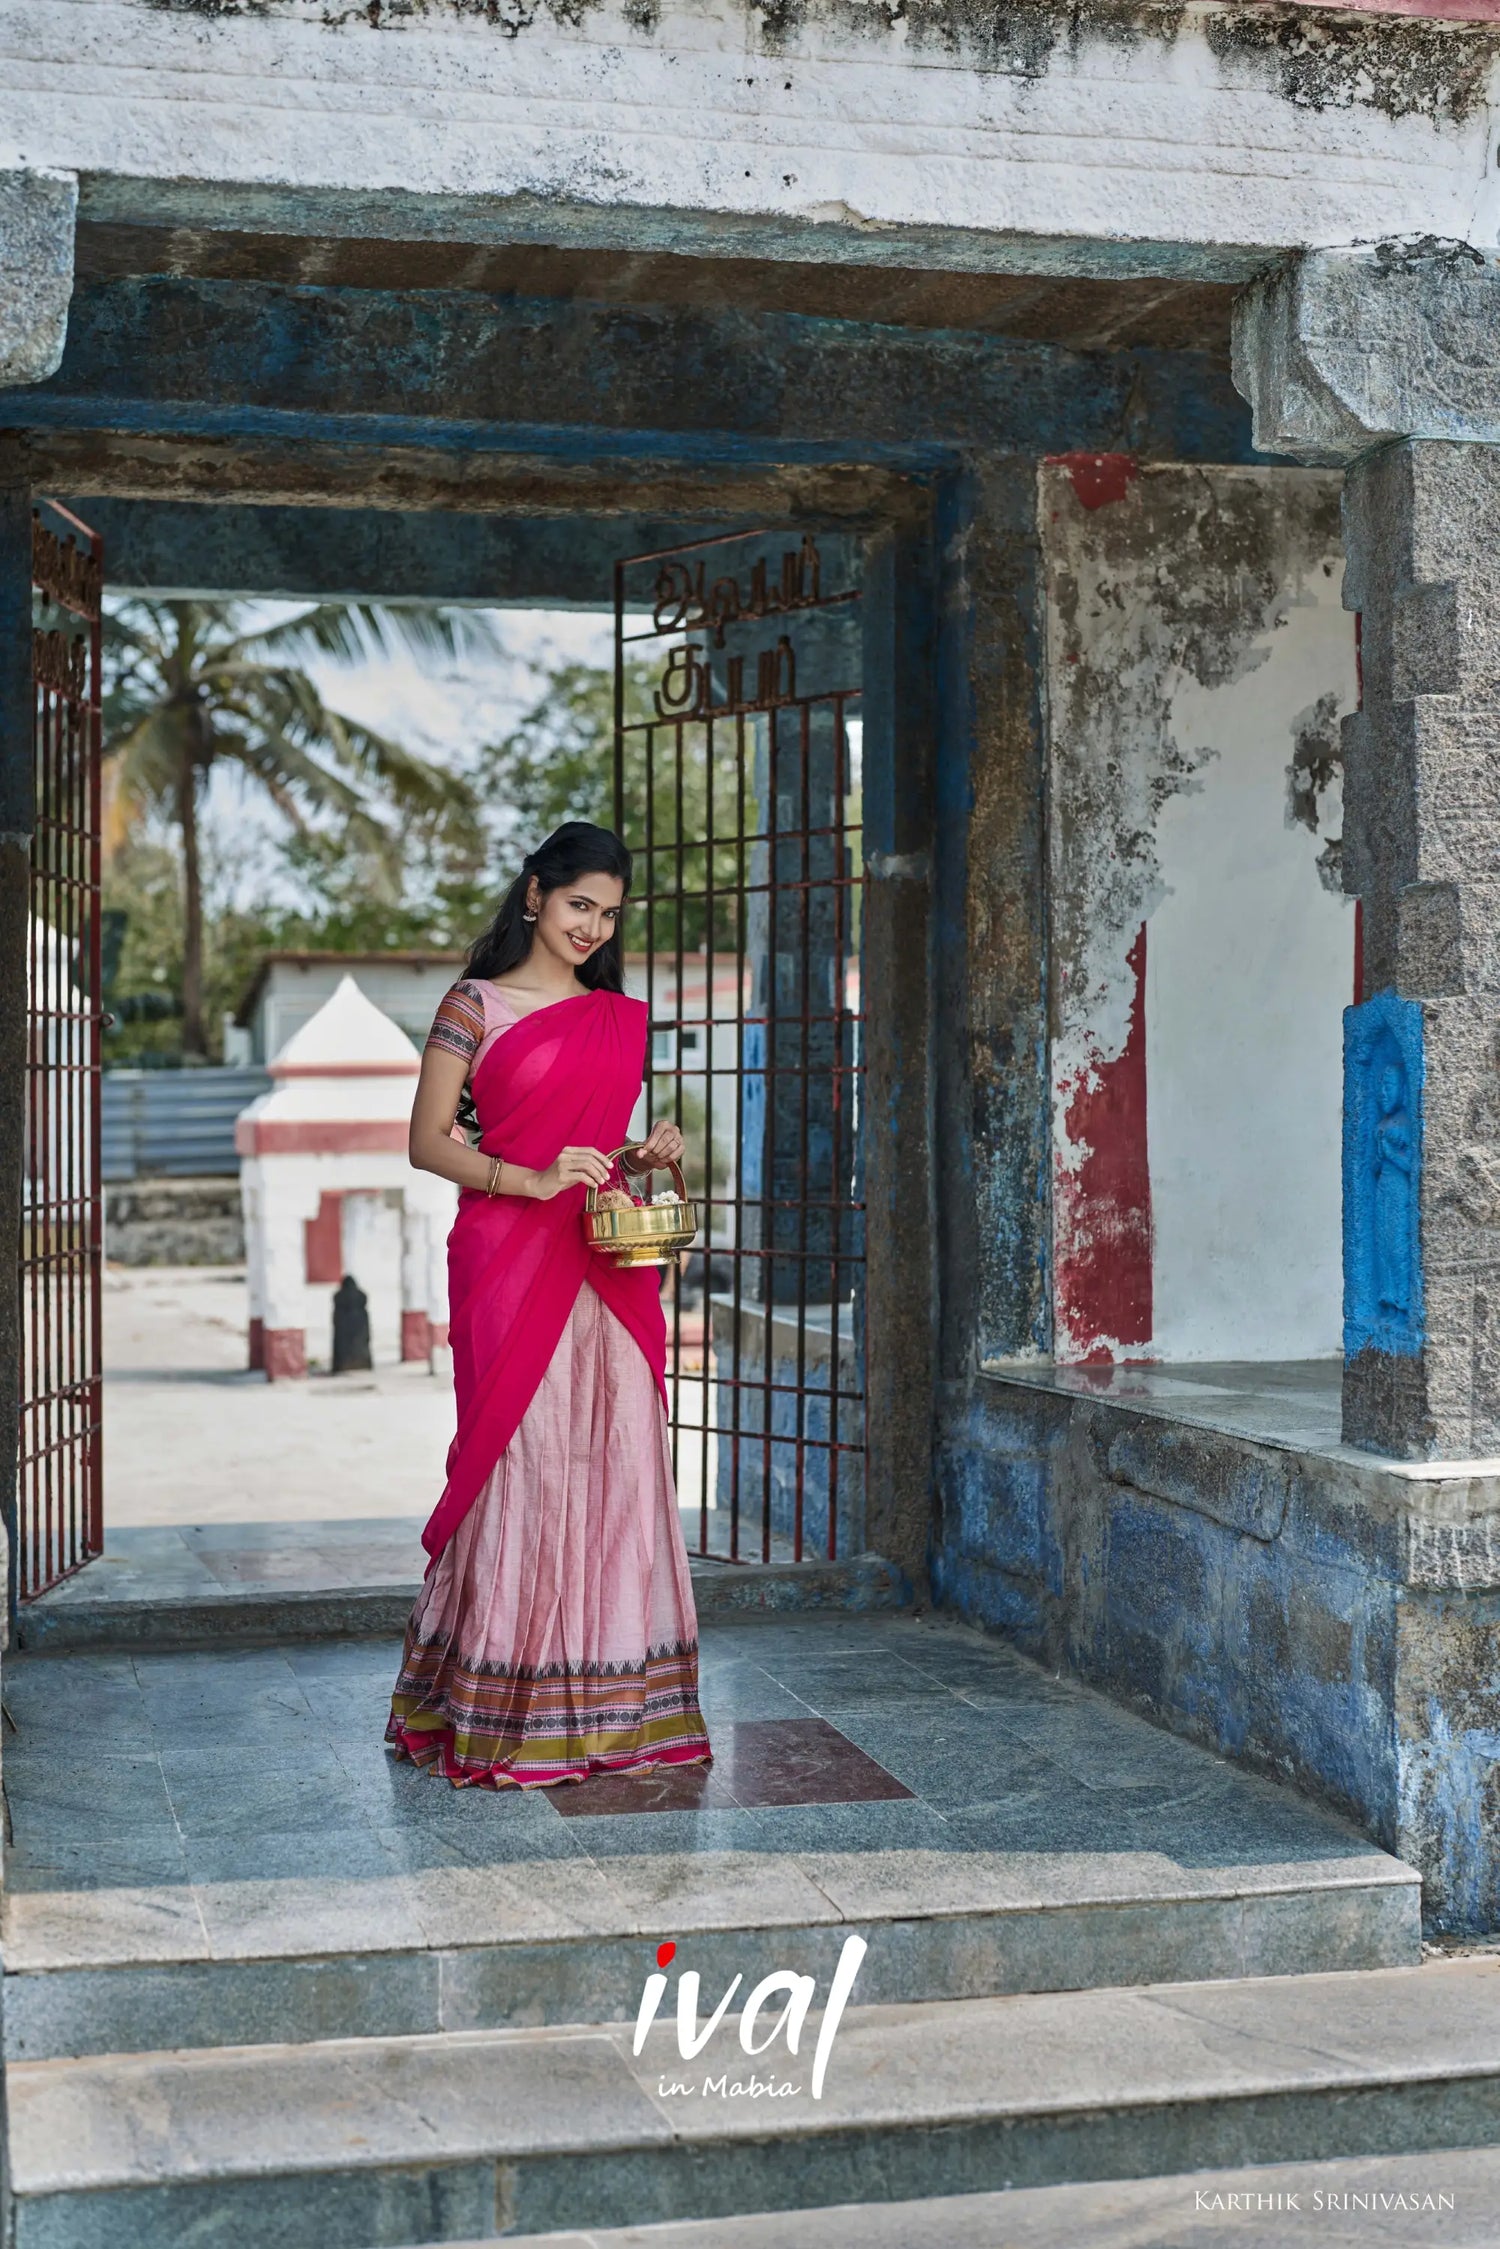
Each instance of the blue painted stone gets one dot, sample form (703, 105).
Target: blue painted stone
(1383, 1078)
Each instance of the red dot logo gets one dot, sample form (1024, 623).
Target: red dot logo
(665, 1955)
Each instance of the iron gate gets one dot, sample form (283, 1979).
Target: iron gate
(737, 741)
(59, 1513)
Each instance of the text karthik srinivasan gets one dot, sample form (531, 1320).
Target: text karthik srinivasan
(1312, 2199)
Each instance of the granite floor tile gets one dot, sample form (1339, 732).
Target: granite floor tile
(745, 1690)
(297, 1854)
(213, 1766)
(265, 1802)
(467, 1824)
(669, 1788)
(866, 1678)
(110, 1789)
(623, 1834)
(99, 1698)
(418, 1796)
(950, 1754)
(777, 1829)
(85, 1859)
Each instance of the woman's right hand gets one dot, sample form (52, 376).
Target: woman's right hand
(575, 1167)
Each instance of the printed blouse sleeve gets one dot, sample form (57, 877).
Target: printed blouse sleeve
(458, 1026)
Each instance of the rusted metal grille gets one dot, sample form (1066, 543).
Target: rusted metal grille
(737, 741)
(59, 1514)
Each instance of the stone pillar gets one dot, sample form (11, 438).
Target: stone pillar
(416, 1322)
(801, 936)
(898, 1333)
(1389, 363)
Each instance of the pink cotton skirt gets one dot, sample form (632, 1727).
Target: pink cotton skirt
(556, 1636)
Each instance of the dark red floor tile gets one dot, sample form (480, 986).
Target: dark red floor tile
(768, 1761)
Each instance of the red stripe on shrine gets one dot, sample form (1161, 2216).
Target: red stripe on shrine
(322, 1136)
(1103, 1218)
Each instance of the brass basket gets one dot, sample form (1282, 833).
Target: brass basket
(647, 1233)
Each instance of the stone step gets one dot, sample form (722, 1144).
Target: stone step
(975, 1928)
(258, 1585)
(368, 2143)
(241, 1862)
(1445, 2199)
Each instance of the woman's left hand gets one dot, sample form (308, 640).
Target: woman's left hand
(663, 1144)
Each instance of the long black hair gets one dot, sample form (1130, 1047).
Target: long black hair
(576, 848)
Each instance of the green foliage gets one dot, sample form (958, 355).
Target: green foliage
(557, 764)
(189, 685)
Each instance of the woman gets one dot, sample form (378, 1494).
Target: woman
(555, 1635)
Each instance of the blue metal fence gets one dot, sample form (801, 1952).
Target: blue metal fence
(174, 1124)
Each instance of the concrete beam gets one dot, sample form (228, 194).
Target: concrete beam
(299, 463)
(237, 358)
(37, 216)
(182, 548)
(1340, 351)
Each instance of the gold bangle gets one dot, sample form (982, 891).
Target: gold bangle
(493, 1187)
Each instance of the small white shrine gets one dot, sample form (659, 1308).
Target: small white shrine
(327, 1188)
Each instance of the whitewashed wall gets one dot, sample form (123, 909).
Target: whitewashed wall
(831, 133)
(1195, 639)
(1249, 966)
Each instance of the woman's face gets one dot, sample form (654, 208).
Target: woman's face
(572, 923)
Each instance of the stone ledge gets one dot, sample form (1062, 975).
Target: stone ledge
(165, 1618)
(37, 214)
(1153, 1434)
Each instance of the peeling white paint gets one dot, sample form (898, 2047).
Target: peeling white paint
(1191, 623)
(1112, 138)
(1250, 964)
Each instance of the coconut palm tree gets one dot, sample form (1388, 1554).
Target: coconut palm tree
(192, 684)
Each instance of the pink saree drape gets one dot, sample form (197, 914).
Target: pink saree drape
(566, 1076)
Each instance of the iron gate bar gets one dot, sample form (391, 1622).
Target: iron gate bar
(780, 1264)
(59, 1501)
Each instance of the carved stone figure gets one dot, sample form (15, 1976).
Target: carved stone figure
(351, 1327)
(1393, 1182)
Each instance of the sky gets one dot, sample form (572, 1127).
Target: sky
(445, 713)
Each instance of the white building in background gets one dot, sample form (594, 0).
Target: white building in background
(289, 988)
(327, 1190)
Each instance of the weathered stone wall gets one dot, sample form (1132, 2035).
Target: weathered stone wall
(1325, 1619)
(1123, 133)
(1422, 1176)
(174, 1222)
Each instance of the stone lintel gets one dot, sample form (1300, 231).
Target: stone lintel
(1340, 351)
(37, 214)
(388, 554)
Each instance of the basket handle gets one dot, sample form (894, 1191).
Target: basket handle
(591, 1194)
